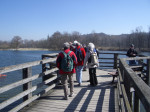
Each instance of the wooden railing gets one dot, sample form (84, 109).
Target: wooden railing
(26, 95)
(109, 62)
(132, 89)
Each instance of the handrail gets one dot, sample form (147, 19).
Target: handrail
(112, 62)
(131, 80)
(111, 53)
(24, 65)
(23, 81)
(122, 96)
(26, 94)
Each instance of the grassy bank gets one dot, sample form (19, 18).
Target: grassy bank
(27, 49)
(123, 49)
(100, 48)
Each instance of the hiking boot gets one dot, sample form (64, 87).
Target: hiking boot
(65, 98)
(88, 81)
(71, 95)
(84, 70)
(79, 84)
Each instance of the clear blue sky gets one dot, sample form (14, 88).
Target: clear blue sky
(35, 19)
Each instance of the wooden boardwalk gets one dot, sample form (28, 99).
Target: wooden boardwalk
(101, 98)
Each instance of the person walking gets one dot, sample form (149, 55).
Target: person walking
(85, 48)
(132, 53)
(66, 61)
(91, 62)
(80, 54)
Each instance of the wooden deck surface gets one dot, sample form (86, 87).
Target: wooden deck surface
(101, 98)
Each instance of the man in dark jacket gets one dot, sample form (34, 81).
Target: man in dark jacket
(132, 53)
(67, 74)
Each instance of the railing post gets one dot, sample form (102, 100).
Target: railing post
(136, 102)
(132, 91)
(148, 72)
(128, 86)
(27, 72)
(43, 68)
(121, 69)
(115, 60)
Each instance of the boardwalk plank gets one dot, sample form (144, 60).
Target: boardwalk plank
(101, 98)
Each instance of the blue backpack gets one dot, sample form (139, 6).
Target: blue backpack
(79, 54)
(67, 62)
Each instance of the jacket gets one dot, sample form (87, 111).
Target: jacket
(59, 58)
(131, 53)
(89, 65)
(83, 54)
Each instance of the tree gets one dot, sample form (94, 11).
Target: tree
(4, 44)
(16, 42)
(95, 38)
(75, 35)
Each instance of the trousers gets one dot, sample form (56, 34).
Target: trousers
(79, 74)
(132, 62)
(93, 78)
(64, 80)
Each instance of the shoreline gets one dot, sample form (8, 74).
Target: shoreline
(99, 48)
(27, 49)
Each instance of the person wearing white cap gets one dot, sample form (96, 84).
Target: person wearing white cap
(80, 54)
(91, 62)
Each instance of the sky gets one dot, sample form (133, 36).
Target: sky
(36, 19)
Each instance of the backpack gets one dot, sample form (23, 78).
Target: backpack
(93, 58)
(67, 62)
(79, 54)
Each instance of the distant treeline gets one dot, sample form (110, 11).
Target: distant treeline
(139, 38)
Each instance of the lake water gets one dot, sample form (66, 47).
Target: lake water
(10, 57)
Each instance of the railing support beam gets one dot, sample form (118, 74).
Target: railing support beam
(136, 102)
(115, 60)
(148, 72)
(27, 72)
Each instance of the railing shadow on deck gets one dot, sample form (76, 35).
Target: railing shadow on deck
(79, 96)
(73, 105)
